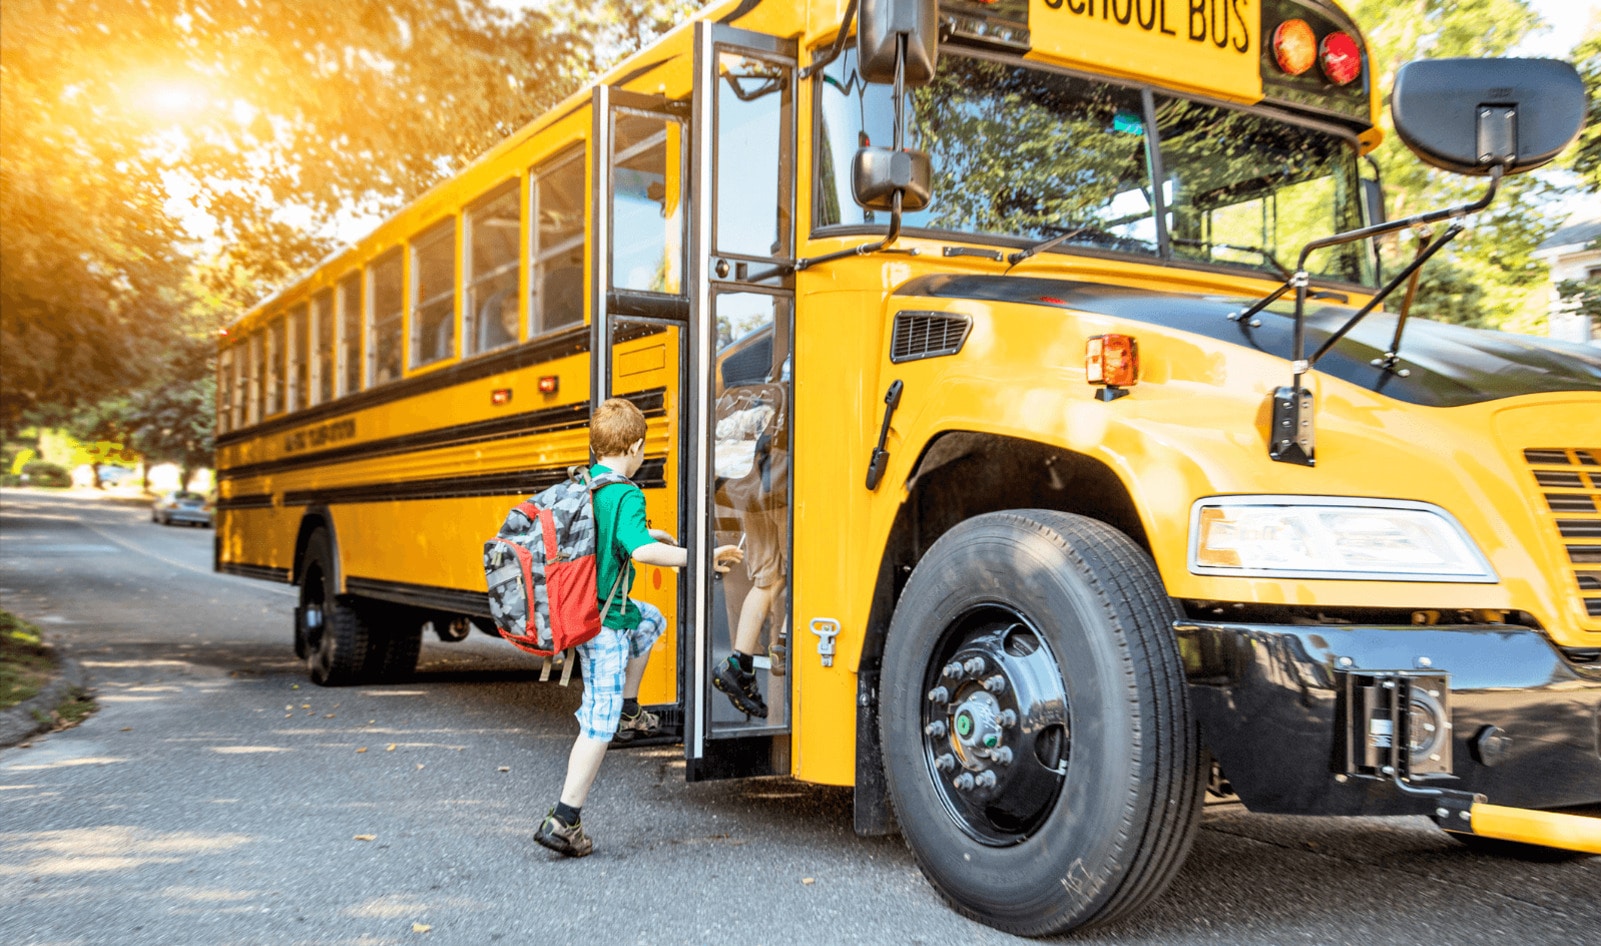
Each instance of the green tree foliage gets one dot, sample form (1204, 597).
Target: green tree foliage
(143, 136)
(1587, 157)
(1488, 277)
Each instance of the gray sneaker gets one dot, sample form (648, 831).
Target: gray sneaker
(568, 839)
(631, 728)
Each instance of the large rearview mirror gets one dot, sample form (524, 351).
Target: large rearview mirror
(877, 173)
(1471, 115)
(879, 30)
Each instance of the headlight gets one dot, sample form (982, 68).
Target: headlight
(1328, 537)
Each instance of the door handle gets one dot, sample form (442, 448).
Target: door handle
(875, 466)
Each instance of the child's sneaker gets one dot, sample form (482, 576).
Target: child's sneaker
(644, 723)
(740, 687)
(778, 656)
(563, 838)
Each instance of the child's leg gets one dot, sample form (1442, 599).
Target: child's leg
(651, 624)
(598, 712)
(583, 764)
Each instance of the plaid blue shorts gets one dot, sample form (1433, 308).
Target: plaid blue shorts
(606, 659)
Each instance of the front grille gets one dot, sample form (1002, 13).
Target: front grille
(927, 335)
(1570, 482)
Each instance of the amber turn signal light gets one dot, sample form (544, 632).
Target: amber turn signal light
(548, 384)
(500, 396)
(1294, 46)
(1112, 360)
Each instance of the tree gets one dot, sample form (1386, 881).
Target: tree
(1587, 157)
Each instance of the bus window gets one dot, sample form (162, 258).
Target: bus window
(386, 305)
(647, 205)
(299, 358)
(350, 333)
(433, 295)
(753, 202)
(258, 374)
(322, 364)
(1071, 159)
(491, 305)
(225, 379)
(275, 367)
(1247, 190)
(557, 241)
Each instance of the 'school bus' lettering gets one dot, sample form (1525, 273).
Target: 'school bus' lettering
(996, 592)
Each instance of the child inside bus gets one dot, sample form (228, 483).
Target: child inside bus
(615, 660)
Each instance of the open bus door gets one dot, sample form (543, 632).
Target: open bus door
(715, 321)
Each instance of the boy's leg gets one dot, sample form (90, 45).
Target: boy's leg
(583, 764)
(640, 640)
(604, 658)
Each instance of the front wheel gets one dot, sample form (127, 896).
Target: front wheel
(1035, 722)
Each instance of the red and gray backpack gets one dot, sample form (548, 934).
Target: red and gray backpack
(540, 567)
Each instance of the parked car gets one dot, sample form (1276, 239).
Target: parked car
(113, 475)
(182, 506)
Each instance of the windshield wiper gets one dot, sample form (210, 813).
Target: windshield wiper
(1100, 233)
(1266, 254)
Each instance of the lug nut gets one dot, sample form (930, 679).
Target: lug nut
(1007, 719)
(935, 729)
(986, 779)
(974, 665)
(953, 670)
(939, 695)
(995, 684)
(1001, 755)
(945, 762)
(963, 782)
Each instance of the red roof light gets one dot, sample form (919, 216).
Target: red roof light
(1341, 58)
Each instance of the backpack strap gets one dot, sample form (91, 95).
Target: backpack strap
(569, 657)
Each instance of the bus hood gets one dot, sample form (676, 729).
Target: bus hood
(1446, 365)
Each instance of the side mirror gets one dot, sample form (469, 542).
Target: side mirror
(882, 25)
(1471, 115)
(878, 173)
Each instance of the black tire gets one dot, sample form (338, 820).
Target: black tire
(1081, 827)
(335, 629)
(394, 640)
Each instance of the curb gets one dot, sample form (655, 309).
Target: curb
(19, 722)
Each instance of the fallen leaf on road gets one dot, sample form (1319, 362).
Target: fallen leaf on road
(362, 749)
(305, 706)
(327, 716)
(808, 881)
(127, 729)
(24, 745)
(290, 706)
(419, 765)
(294, 686)
(420, 927)
(505, 768)
(391, 748)
(365, 837)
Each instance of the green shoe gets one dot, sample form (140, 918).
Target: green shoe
(567, 839)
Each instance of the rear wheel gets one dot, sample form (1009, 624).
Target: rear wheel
(1035, 721)
(333, 632)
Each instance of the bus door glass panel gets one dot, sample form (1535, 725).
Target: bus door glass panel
(490, 309)
(556, 238)
(1244, 189)
(647, 203)
(751, 389)
(752, 180)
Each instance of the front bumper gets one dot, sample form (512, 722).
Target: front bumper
(1269, 702)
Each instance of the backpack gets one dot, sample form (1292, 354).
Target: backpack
(540, 568)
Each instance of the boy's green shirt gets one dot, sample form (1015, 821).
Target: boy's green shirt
(621, 528)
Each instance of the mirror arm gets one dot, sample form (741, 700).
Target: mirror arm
(1425, 250)
(834, 51)
(1393, 226)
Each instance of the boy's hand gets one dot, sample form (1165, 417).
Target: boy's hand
(725, 557)
(665, 538)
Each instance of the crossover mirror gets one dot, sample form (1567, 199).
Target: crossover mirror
(882, 27)
(1471, 115)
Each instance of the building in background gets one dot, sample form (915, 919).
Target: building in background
(1574, 255)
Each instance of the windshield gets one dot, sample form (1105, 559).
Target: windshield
(1027, 155)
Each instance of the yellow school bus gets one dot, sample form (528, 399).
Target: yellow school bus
(1039, 355)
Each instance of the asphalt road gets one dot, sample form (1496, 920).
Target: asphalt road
(216, 796)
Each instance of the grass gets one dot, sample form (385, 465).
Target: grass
(26, 666)
(25, 663)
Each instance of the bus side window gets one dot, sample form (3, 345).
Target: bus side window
(433, 295)
(322, 363)
(225, 389)
(556, 242)
(350, 333)
(241, 379)
(299, 358)
(275, 367)
(490, 308)
(257, 361)
(385, 307)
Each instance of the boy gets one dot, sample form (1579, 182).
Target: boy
(614, 661)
